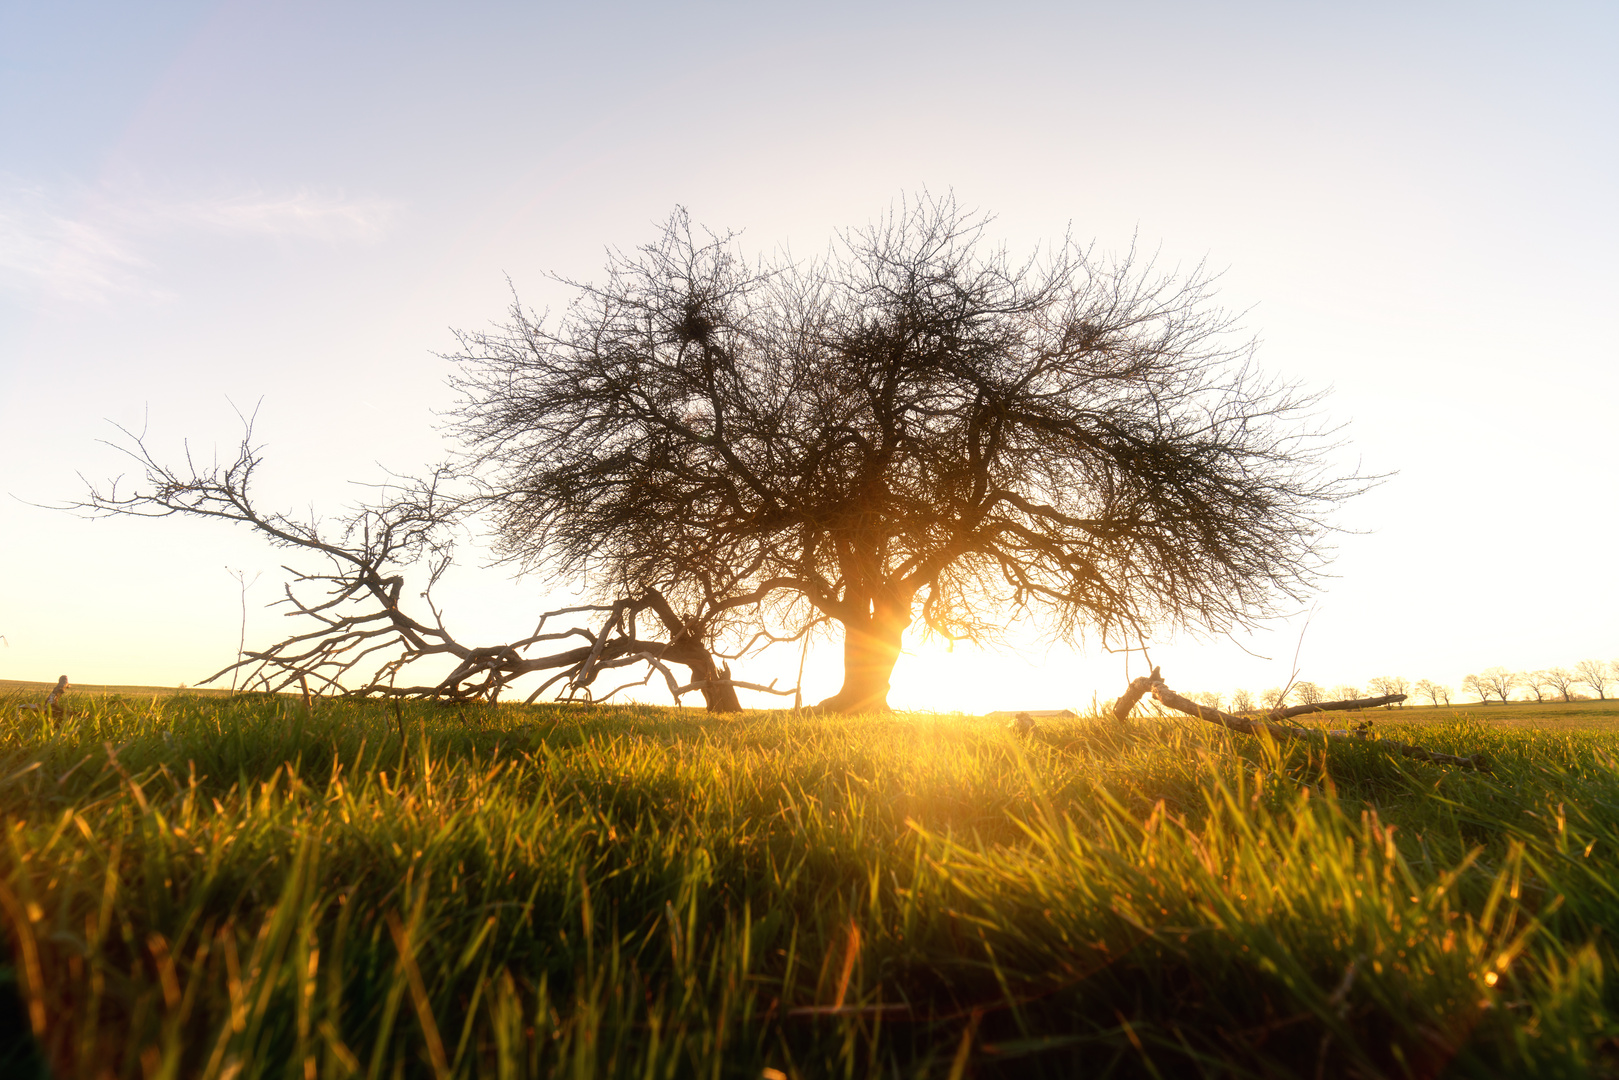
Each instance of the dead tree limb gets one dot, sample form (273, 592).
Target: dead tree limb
(1133, 693)
(1281, 732)
(359, 637)
(1334, 706)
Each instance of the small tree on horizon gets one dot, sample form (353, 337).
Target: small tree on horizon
(1242, 702)
(1473, 684)
(1537, 683)
(1500, 681)
(1309, 693)
(1595, 674)
(1385, 685)
(1428, 689)
(1562, 680)
(1345, 692)
(1274, 698)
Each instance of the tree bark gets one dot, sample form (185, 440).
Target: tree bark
(1133, 693)
(870, 650)
(686, 647)
(720, 696)
(1335, 706)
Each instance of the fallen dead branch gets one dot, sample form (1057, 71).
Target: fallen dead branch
(357, 637)
(1266, 724)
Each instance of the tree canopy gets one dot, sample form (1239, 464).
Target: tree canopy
(913, 425)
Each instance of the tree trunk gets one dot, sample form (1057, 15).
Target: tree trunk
(690, 652)
(718, 698)
(686, 646)
(870, 650)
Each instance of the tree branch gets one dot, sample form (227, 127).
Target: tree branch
(1280, 732)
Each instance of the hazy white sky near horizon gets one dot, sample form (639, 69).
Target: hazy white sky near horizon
(210, 203)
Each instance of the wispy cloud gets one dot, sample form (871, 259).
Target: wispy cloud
(43, 246)
(301, 214)
(94, 243)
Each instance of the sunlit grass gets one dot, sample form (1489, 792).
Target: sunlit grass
(206, 887)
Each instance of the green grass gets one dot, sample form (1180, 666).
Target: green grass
(230, 888)
(1581, 715)
(25, 691)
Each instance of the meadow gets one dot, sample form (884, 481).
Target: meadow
(226, 887)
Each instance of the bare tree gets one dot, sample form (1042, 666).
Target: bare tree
(1562, 680)
(1435, 693)
(913, 426)
(360, 637)
(1595, 674)
(1274, 698)
(1537, 683)
(1473, 684)
(1345, 692)
(1212, 698)
(1242, 702)
(1390, 684)
(1500, 681)
(1307, 693)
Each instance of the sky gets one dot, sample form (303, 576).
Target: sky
(215, 207)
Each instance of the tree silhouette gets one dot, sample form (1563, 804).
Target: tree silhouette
(1390, 684)
(1434, 692)
(1500, 681)
(1562, 680)
(1595, 674)
(1307, 693)
(358, 636)
(1473, 684)
(913, 425)
(1537, 683)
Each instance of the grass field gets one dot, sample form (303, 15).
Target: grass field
(197, 886)
(1589, 716)
(32, 691)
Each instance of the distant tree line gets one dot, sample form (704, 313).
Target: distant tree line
(1558, 683)
(1491, 684)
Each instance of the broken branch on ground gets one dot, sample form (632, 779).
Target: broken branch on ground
(1264, 723)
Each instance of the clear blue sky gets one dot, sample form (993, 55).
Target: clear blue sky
(226, 202)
